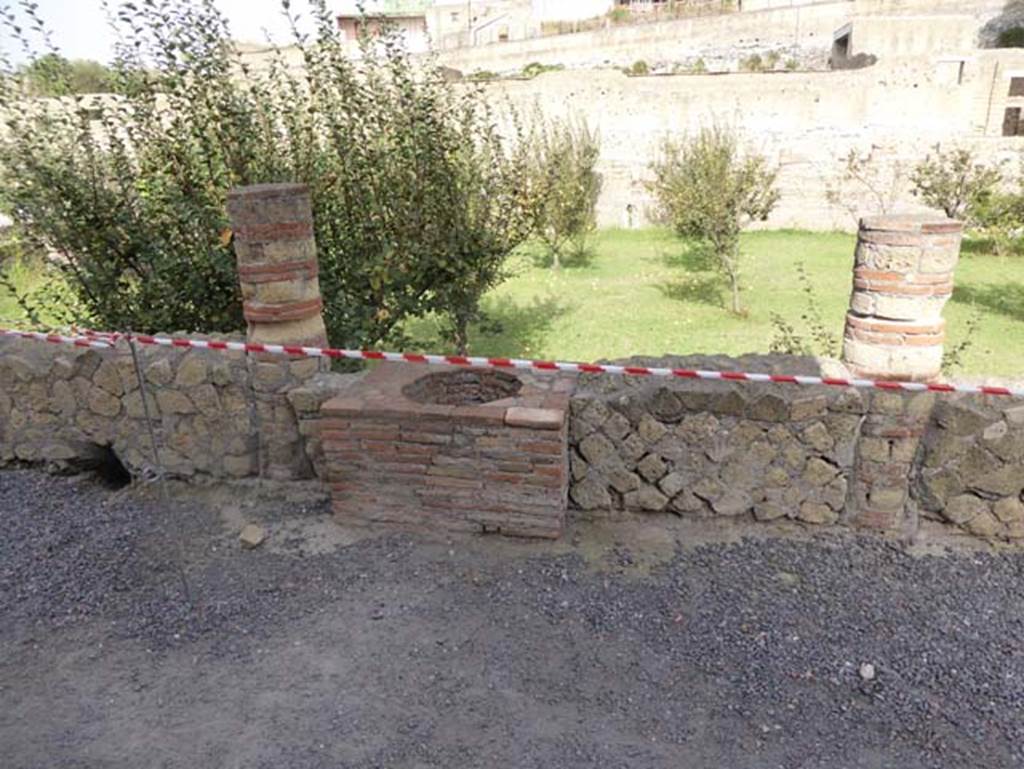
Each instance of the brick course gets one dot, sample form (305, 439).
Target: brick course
(498, 467)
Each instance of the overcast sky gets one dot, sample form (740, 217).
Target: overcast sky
(80, 28)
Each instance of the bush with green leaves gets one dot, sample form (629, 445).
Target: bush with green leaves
(707, 188)
(565, 156)
(1011, 37)
(638, 68)
(53, 75)
(418, 198)
(955, 182)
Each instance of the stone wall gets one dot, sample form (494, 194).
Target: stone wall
(216, 414)
(820, 455)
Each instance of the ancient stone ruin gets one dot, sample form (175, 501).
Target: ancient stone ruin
(517, 452)
(902, 279)
(456, 449)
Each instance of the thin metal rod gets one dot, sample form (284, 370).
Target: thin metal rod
(161, 474)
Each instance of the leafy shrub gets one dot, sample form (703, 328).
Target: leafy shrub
(483, 75)
(792, 65)
(752, 63)
(619, 15)
(638, 69)
(707, 188)
(954, 182)
(1000, 218)
(417, 198)
(866, 184)
(816, 338)
(1011, 37)
(566, 156)
(53, 75)
(772, 59)
(535, 68)
(699, 67)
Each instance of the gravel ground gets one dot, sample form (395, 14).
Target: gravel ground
(618, 648)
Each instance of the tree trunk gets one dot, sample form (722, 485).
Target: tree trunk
(734, 282)
(460, 334)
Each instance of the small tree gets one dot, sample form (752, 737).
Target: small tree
(707, 188)
(865, 184)
(417, 198)
(568, 184)
(955, 182)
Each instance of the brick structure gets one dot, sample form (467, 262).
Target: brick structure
(903, 277)
(277, 264)
(459, 449)
(277, 269)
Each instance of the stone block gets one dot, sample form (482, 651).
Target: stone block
(984, 525)
(732, 503)
(616, 426)
(174, 402)
(874, 449)
(818, 472)
(646, 498)
(252, 536)
(816, 512)
(964, 508)
(672, 484)
(769, 511)
(590, 494)
(192, 371)
(632, 448)
(622, 480)
(652, 468)
(1009, 509)
(687, 502)
(597, 449)
(651, 430)
(537, 419)
(160, 372)
(818, 438)
(1006, 481)
(104, 404)
(108, 378)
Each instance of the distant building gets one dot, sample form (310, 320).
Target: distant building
(449, 24)
(408, 16)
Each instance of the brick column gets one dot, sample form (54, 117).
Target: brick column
(277, 265)
(277, 269)
(902, 279)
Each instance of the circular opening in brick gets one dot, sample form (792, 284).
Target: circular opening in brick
(463, 388)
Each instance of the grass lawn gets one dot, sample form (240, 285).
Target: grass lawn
(645, 292)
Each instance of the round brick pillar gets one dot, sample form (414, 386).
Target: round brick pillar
(902, 279)
(277, 264)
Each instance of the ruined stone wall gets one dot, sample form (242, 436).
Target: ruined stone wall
(215, 414)
(805, 122)
(820, 455)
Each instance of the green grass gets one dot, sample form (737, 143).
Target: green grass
(643, 292)
(26, 275)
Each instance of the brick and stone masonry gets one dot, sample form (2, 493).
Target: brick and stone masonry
(277, 263)
(456, 449)
(278, 271)
(903, 277)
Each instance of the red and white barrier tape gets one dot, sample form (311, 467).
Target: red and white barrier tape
(103, 340)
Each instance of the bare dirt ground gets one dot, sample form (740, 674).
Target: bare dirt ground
(628, 645)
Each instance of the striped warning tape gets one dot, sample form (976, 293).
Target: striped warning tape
(105, 340)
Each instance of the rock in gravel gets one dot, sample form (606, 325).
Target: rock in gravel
(252, 536)
(867, 671)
